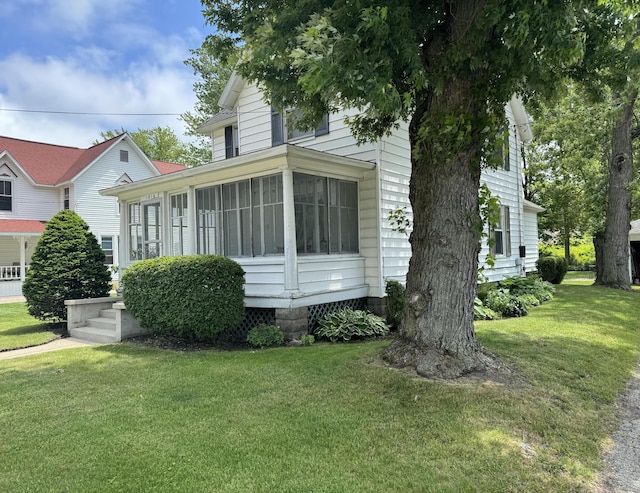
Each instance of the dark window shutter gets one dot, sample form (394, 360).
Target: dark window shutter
(228, 141)
(277, 128)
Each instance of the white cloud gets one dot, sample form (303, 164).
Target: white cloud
(73, 85)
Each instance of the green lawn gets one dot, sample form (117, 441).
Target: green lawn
(576, 274)
(324, 418)
(18, 329)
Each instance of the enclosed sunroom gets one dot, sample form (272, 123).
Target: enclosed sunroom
(292, 217)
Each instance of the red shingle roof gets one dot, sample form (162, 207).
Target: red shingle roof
(49, 164)
(166, 168)
(21, 226)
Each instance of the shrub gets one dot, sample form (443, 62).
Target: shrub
(481, 312)
(350, 324)
(552, 269)
(395, 302)
(307, 340)
(530, 285)
(506, 304)
(195, 297)
(265, 335)
(67, 264)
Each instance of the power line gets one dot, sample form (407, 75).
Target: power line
(15, 110)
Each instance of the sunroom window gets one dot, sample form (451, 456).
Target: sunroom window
(326, 211)
(179, 223)
(243, 218)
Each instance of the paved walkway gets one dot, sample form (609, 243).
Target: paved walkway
(11, 299)
(55, 345)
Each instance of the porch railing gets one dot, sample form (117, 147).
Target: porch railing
(11, 272)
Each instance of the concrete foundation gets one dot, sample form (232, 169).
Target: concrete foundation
(294, 322)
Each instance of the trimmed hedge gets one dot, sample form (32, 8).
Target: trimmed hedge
(552, 269)
(194, 297)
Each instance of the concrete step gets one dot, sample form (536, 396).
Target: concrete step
(93, 334)
(102, 323)
(108, 313)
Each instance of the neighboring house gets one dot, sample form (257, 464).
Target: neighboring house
(634, 244)
(306, 213)
(37, 180)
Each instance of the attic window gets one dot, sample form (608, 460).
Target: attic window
(5, 195)
(124, 156)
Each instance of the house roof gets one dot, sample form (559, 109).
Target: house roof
(635, 227)
(165, 168)
(50, 164)
(21, 227)
(224, 116)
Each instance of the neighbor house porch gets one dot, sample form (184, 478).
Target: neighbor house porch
(18, 239)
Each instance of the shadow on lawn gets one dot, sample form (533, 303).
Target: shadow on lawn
(59, 328)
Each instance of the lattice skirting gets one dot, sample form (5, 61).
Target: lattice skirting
(252, 317)
(316, 312)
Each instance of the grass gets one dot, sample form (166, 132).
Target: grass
(575, 274)
(324, 418)
(18, 329)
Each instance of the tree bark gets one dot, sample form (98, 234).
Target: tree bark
(437, 336)
(615, 247)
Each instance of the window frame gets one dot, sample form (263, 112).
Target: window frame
(282, 132)
(231, 141)
(179, 206)
(5, 196)
(501, 248)
(66, 195)
(105, 250)
(124, 156)
(334, 231)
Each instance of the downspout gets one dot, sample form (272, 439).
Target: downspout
(379, 219)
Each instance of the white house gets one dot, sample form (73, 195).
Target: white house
(305, 213)
(37, 180)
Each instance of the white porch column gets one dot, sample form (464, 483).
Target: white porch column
(192, 232)
(22, 240)
(123, 243)
(290, 248)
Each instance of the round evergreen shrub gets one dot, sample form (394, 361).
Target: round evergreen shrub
(195, 297)
(265, 335)
(67, 264)
(552, 269)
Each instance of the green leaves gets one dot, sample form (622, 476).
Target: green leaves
(67, 264)
(350, 324)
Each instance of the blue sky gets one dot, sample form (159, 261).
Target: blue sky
(95, 56)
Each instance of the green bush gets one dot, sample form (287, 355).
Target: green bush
(67, 264)
(394, 303)
(552, 269)
(307, 340)
(481, 312)
(195, 297)
(506, 304)
(530, 285)
(265, 335)
(350, 324)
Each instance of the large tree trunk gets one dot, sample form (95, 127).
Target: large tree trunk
(437, 336)
(615, 247)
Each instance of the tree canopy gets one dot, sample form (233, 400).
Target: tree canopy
(160, 144)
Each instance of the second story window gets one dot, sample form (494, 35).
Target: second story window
(5, 195)
(124, 156)
(66, 198)
(285, 130)
(231, 141)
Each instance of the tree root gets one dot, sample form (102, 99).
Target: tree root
(431, 363)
